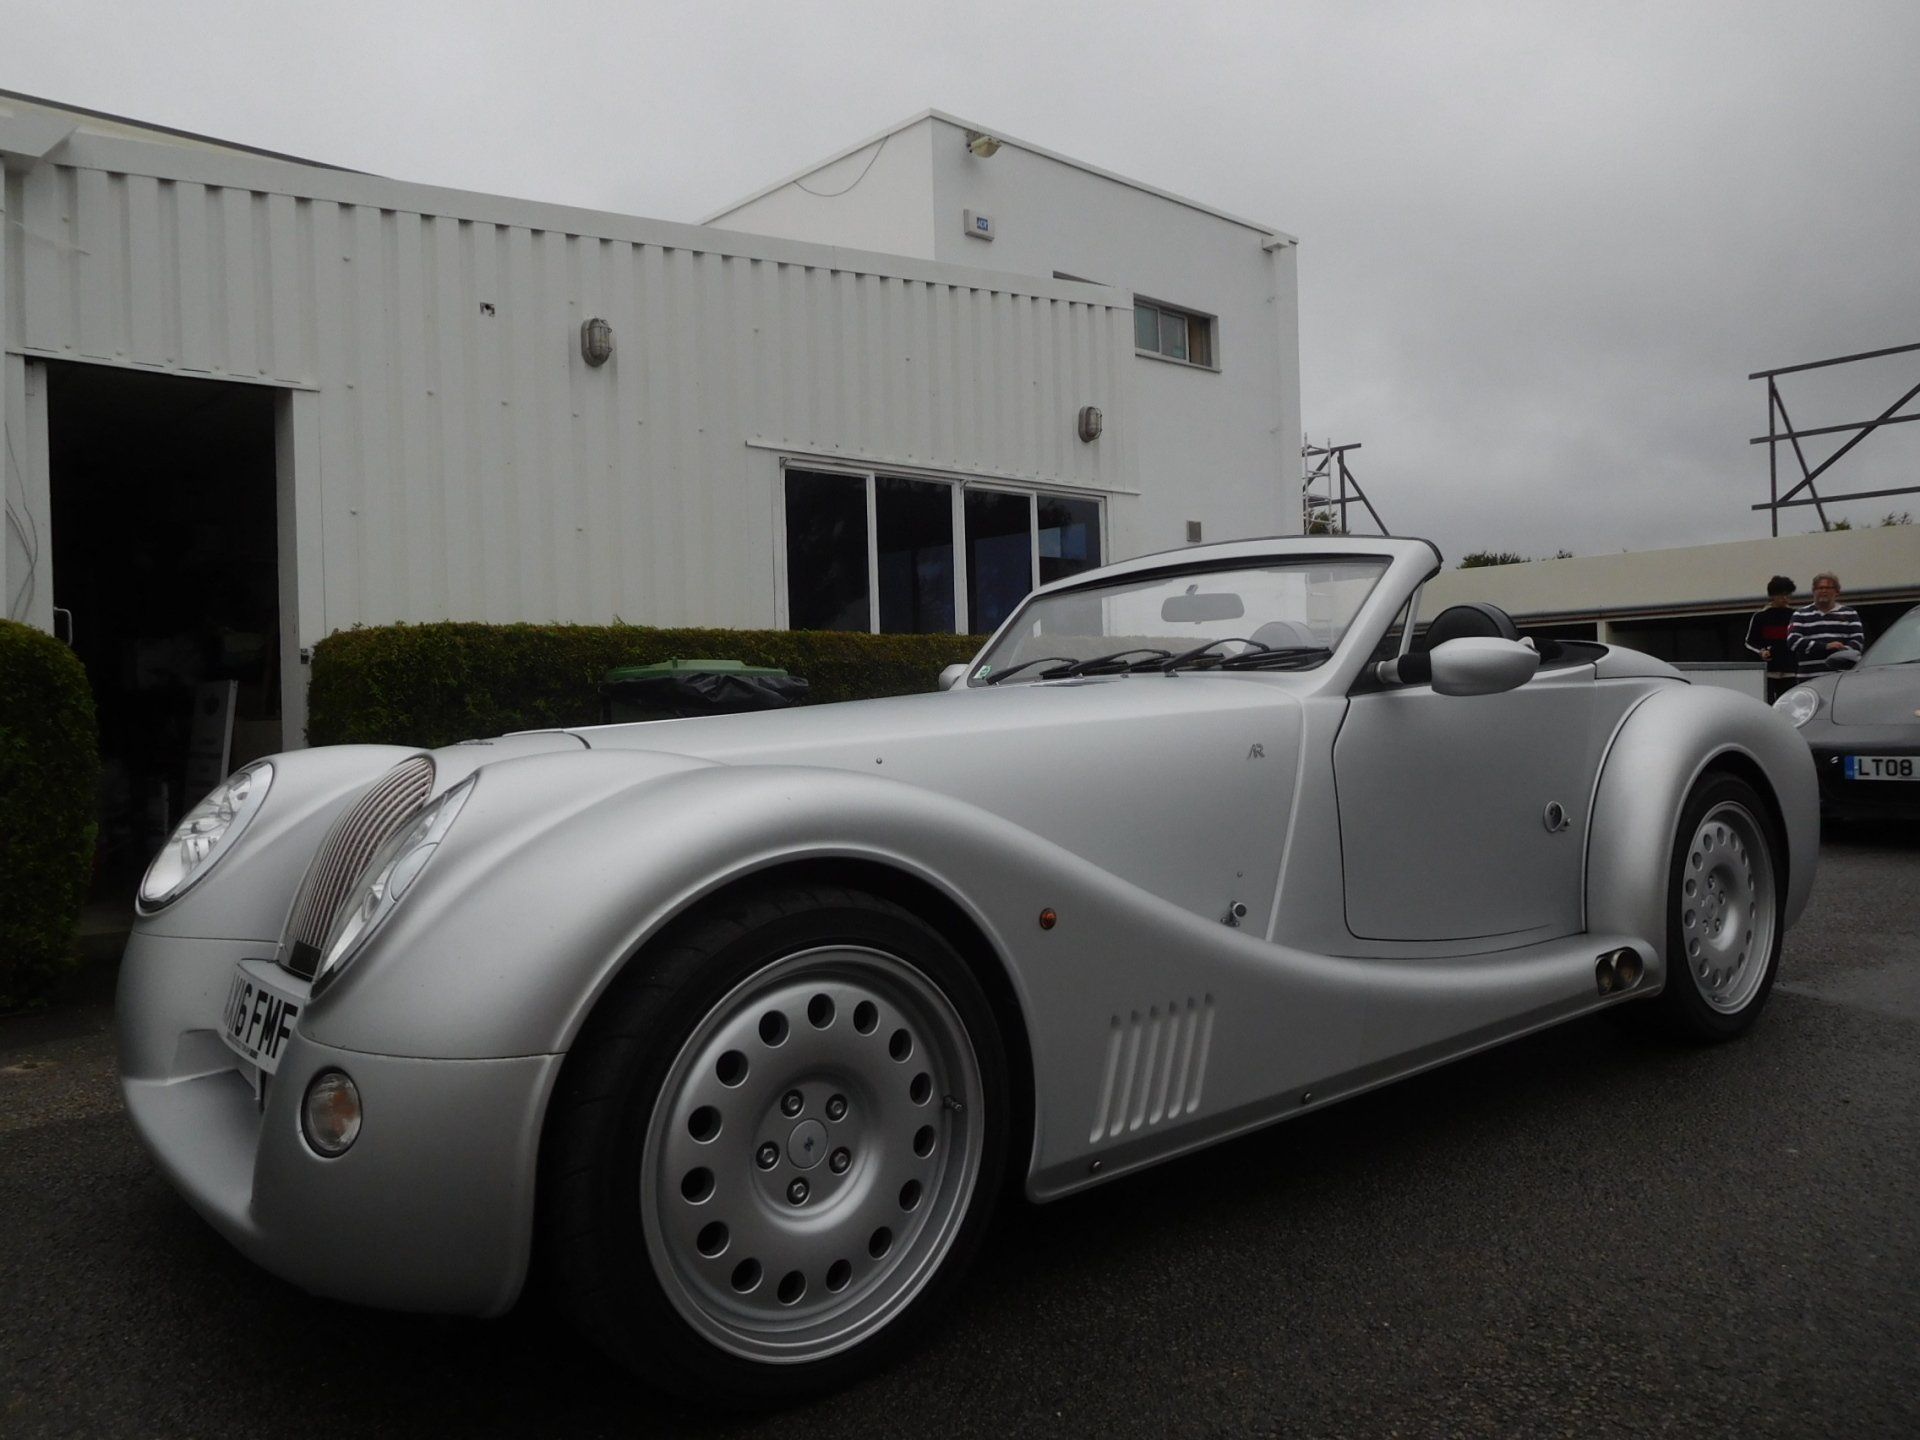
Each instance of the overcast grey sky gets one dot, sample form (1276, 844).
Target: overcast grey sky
(1542, 244)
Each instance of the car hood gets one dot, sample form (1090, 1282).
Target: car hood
(1095, 766)
(919, 732)
(1877, 695)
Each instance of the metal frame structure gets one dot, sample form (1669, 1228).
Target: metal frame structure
(1860, 429)
(1328, 464)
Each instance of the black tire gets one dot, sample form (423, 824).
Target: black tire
(642, 1295)
(1687, 1008)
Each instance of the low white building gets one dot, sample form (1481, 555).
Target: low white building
(250, 400)
(1690, 603)
(1215, 399)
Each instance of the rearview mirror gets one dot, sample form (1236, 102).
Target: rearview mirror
(951, 676)
(1482, 665)
(1192, 609)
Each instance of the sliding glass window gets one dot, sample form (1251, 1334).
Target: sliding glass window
(904, 555)
(913, 521)
(827, 587)
(1069, 536)
(999, 555)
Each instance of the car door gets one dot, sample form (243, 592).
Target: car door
(1465, 817)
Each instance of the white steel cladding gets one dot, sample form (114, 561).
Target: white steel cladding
(466, 462)
(1216, 438)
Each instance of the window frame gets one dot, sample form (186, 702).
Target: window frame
(1162, 308)
(958, 487)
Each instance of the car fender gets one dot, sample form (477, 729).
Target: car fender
(560, 869)
(246, 895)
(1662, 748)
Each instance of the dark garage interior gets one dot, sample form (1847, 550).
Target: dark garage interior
(165, 576)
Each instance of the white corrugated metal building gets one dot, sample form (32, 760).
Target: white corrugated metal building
(336, 399)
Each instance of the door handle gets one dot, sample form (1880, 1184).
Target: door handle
(57, 613)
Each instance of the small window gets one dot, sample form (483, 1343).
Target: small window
(1172, 334)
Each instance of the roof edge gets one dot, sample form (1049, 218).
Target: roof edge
(713, 216)
(87, 151)
(177, 133)
(1270, 232)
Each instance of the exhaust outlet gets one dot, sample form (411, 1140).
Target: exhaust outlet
(1618, 970)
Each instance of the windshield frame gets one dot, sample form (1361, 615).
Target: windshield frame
(1107, 578)
(1898, 630)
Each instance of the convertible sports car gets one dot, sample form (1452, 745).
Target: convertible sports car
(733, 1029)
(1863, 726)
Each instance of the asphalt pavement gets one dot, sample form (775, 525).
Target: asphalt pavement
(1584, 1233)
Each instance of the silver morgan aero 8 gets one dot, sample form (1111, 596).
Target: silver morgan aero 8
(733, 1030)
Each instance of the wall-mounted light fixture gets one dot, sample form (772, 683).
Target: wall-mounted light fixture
(1092, 422)
(981, 145)
(596, 341)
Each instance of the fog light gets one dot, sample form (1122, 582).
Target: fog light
(330, 1118)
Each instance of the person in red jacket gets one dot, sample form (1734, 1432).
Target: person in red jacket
(1767, 637)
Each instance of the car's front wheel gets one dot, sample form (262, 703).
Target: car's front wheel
(776, 1145)
(1726, 912)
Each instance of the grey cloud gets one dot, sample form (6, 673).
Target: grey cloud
(1542, 244)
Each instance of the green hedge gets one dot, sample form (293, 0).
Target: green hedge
(49, 773)
(436, 684)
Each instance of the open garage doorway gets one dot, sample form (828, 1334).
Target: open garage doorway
(165, 578)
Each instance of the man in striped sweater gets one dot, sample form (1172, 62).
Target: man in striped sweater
(1819, 629)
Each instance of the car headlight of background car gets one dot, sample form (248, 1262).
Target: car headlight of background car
(1799, 704)
(387, 878)
(207, 833)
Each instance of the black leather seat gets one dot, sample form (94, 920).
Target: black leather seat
(1283, 635)
(1474, 618)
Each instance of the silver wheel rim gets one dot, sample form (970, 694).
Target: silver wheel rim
(813, 1153)
(1726, 907)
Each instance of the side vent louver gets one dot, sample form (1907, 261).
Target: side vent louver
(1155, 1062)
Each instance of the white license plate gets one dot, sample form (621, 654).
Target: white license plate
(258, 1019)
(1883, 767)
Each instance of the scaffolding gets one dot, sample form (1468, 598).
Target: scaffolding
(1327, 464)
(1780, 432)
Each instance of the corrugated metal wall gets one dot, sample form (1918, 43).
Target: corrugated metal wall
(469, 463)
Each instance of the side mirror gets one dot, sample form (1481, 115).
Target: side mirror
(951, 676)
(1482, 665)
(1843, 659)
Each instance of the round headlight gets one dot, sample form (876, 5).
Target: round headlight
(206, 834)
(388, 877)
(330, 1118)
(1799, 704)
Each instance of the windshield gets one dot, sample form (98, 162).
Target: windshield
(1900, 645)
(1273, 614)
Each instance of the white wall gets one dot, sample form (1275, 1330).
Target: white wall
(452, 455)
(878, 196)
(1219, 447)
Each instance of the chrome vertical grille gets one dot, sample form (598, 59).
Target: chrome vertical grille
(367, 825)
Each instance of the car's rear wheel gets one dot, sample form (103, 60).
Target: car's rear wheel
(1726, 907)
(776, 1146)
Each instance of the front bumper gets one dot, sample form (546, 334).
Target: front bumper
(432, 1208)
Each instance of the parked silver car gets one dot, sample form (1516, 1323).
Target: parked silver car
(1862, 723)
(737, 1027)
